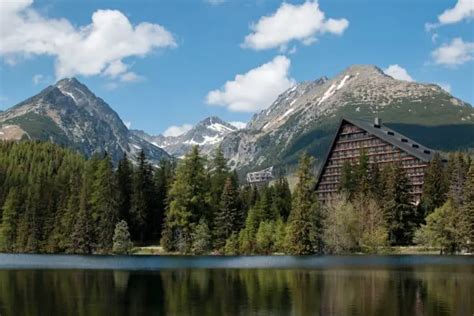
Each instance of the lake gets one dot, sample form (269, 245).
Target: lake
(254, 285)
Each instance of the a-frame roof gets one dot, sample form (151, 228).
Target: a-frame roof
(390, 136)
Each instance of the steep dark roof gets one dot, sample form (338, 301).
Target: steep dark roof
(387, 134)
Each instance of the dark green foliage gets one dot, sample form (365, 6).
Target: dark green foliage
(229, 218)
(124, 185)
(104, 205)
(281, 200)
(398, 208)
(189, 201)
(9, 221)
(435, 186)
(122, 243)
(144, 211)
(164, 177)
(305, 220)
(348, 184)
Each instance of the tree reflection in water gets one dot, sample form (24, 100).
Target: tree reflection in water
(435, 290)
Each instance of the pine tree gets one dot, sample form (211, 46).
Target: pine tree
(348, 184)
(398, 209)
(229, 217)
(457, 171)
(305, 220)
(9, 221)
(435, 186)
(361, 173)
(468, 206)
(143, 211)
(104, 205)
(189, 200)
(281, 200)
(163, 179)
(265, 238)
(121, 240)
(201, 238)
(377, 186)
(124, 186)
(82, 238)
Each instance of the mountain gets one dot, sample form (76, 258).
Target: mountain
(68, 113)
(208, 134)
(304, 117)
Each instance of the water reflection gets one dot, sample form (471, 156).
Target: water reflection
(425, 290)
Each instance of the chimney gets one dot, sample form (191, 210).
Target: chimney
(377, 122)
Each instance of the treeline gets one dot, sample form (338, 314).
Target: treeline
(56, 201)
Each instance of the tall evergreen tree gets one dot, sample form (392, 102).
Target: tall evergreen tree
(143, 212)
(468, 207)
(281, 201)
(362, 175)
(124, 184)
(457, 171)
(398, 209)
(189, 200)
(163, 180)
(377, 185)
(9, 221)
(348, 184)
(305, 220)
(435, 186)
(229, 218)
(104, 205)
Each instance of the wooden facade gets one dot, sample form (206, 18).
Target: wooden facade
(382, 146)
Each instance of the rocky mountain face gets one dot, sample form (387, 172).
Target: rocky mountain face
(68, 113)
(304, 118)
(208, 134)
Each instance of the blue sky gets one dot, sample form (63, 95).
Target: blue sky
(162, 73)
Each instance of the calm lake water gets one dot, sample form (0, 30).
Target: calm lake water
(325, 285)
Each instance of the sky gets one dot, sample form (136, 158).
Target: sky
(164, 65)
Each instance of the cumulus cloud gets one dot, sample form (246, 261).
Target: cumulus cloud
(239, 125)
(463, 10)
(98, 48)
(38, 78)
(256, 89)
(453, 54)
(177, 130)
(292, 22)
(398, 72)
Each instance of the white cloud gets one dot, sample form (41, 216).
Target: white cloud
(464, 9)
(130, 77)
(455, 53)
(256, 89)
(239, 125)
(94, 49)
(292, 22)
(397, 72)
(445, 86)
(177, 130)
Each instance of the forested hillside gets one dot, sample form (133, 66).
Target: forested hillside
(54, 200)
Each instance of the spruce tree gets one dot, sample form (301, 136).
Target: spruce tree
(398, 209)
(229, 217)
(189, 201)
(362, 175)
(163, 179)
(348, 184)
(377, 186)
(9, 221)
(122, 243)
(124, 185)
(104, 203)
(281, 200)
(468, 206)
(435, 186)
(143, 211)
(305, 220)
(457, 171)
